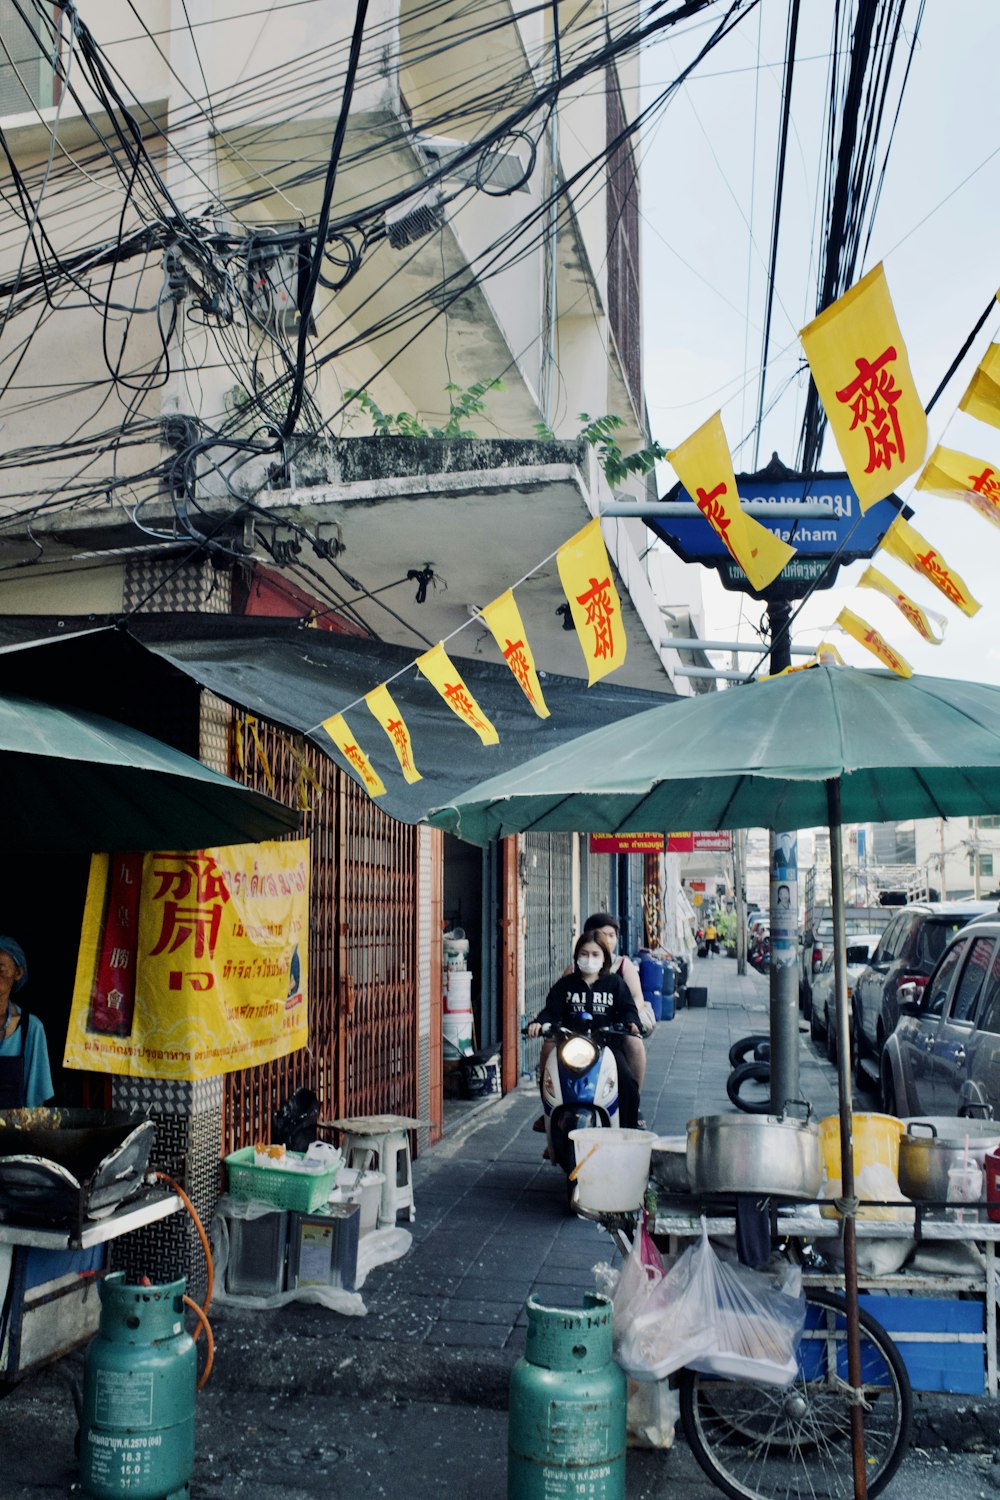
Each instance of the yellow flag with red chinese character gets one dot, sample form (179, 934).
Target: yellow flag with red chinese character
(859, 363)
(982, 399)
(704, 467)
(827, 655)
(905, 543)
(441, 672)
(585, 571)
(959, 476)
(926, 622)
(504, 621)
(868, 637)
(343, 737)
(383, 706)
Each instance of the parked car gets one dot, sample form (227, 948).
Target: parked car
(943, 1058)
(911, 945)
(816, 941)
(822, 1026)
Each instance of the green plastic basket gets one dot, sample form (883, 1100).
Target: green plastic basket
(300, 1191)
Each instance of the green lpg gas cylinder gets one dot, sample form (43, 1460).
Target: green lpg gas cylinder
(137, 1428)
(566, 1428)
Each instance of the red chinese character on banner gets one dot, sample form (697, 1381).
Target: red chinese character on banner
(872, 397)
(399, 737)
(886, 652)
(457, 695)
(513, 654)
(182, 923)
(940, 575)
(714, 512)
(195, 875)
(597, 602)
(986, 484)
(357, 759)
(914, 615)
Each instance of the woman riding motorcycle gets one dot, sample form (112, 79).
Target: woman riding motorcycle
(592, 989)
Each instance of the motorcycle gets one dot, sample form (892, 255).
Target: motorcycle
(579, 1085)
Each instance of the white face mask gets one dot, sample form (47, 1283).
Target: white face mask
(588, 964)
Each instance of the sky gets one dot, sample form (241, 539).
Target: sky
(708, 166)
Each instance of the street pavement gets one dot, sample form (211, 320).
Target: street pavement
(410, 1399)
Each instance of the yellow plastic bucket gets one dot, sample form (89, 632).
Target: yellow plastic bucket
(876, 1143)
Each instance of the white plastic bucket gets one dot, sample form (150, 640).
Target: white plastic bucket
(458, 990)
(364, 1188)
(457, 1033)
(613, 1167)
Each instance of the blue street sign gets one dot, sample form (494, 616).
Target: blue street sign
(843, 532)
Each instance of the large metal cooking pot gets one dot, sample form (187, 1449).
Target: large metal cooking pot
(933, 1144)
(774, 1154)
(78, 1139)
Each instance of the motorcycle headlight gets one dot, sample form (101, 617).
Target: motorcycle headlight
(578, 1052)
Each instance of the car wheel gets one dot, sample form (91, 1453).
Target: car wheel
(831, 1038)
(887, 1088)
(862, 1079)
(815, 1030)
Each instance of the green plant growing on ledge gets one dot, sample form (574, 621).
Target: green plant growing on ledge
(463, 403)
(599, 432)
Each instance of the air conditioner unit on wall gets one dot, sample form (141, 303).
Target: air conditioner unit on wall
(26, 73)
(499, 170)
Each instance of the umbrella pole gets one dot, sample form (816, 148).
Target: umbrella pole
(848, 1203)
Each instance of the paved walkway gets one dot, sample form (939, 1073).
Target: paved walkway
(491, 1225)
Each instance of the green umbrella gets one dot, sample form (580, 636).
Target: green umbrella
(824, 745)
(759, 756)
(76, 782)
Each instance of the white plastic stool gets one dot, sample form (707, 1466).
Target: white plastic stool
(387, 1152)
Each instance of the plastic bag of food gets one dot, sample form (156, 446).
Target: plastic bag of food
(720, 1318)
(640, 1275)
(653, 1409)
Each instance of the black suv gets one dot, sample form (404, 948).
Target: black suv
(910, 947)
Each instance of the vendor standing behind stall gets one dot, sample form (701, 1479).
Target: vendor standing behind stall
(25, 1076)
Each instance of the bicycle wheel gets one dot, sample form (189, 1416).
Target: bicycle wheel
(761, 1442)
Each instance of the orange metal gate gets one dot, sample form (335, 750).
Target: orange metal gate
(362, 1053)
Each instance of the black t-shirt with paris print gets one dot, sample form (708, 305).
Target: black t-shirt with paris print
(607, 999)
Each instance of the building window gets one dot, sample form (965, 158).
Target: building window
(27, 60)
(986, 865)
(988, 822)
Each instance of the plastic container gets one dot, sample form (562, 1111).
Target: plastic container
(457, 1033)
(458, 990)
(666, 1012)
(365, 1189)
(991, 1166)
(651, 976)
(876, 1143)
(613, 1168)
(656, 1001)
(965, 1190)
(299, 1190)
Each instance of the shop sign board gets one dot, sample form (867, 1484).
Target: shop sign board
(843, 532)
(719, 841)
(626, 843)
(192, 964)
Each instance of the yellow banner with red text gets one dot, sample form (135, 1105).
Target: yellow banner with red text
(192, 964)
